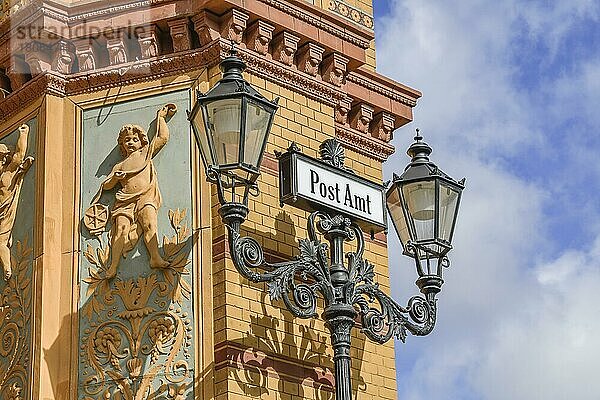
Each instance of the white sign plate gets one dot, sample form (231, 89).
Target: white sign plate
(338, 191)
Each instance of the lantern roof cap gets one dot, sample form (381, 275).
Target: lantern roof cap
(420, 167)
(233, 84)
(419, 151)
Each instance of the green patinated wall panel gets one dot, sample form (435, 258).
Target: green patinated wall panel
(136, 309)
(17, 205)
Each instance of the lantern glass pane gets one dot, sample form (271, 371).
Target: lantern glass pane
(200, 133)
(448, 203)
(224, 117)
(420, 200)
(257, 123)
(394, 204)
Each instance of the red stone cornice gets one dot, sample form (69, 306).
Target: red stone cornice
(235, 355)
(383, 93)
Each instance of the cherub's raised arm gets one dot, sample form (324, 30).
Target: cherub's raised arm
(162, 130)
(21, 147)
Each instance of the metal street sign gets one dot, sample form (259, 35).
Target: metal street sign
(311, 184)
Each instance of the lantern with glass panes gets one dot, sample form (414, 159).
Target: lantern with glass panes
(423, 204)
(231, 123)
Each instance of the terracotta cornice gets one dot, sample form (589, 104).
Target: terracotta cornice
(169, 65)
(48, 83)
(71, 14)
(363, 144)
(384, 85)
(325, 20)
(293, 79)
(274, 38)
(146, 70)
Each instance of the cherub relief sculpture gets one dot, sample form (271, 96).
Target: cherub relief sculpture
(13, 167)
(138, 198)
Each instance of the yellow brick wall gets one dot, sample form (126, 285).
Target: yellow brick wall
(244, 314)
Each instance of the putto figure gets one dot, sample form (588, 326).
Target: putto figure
(13, 166)
(138, 198)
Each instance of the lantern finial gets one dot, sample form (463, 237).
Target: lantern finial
(419, 151)
(233, 66)
(418, 136)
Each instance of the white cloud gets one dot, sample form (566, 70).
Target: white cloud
(515, 323)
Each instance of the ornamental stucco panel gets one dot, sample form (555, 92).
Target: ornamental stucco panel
(17, 202)
(136, 267)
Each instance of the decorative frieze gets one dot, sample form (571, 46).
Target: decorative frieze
(180, 34)
(353, 14)
(361, 116)
(284, 47)
(86, 55)
(234, 25)
(334, 69)
(149, 42)
(382, 126)
(117, 51)
(310, 56)
(259, 36)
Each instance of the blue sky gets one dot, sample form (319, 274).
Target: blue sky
(511, 101)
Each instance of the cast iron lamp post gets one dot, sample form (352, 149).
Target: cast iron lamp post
(231, 124)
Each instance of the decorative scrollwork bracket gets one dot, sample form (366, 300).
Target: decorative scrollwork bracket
(345, 281)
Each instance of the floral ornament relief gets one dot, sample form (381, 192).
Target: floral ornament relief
(139, 336)
(15, 319)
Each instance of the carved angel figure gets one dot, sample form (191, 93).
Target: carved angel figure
(138, 198)
(13, 166)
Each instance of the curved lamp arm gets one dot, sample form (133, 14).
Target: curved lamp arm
(389, 319)
(297, 281)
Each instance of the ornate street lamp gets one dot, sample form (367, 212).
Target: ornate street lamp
(423, 203)
(231, 123)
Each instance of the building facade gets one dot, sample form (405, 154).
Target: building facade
(117, 279)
